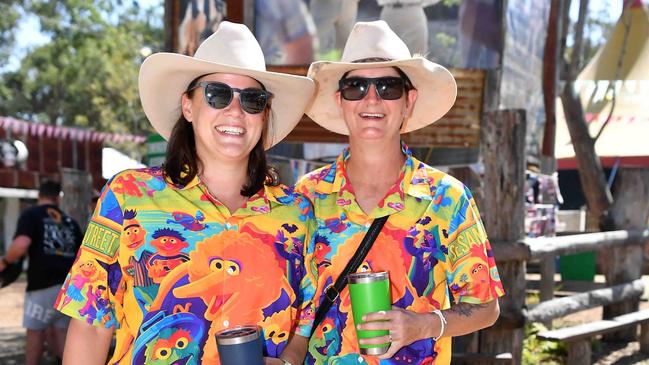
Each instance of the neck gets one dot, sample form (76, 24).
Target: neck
(225, 181)
(44, 201)
(374, 162)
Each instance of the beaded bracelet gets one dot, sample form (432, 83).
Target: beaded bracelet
(442, 321)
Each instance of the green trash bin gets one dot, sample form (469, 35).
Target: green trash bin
(580, 266)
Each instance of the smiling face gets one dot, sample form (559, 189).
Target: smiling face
(227, 134)
(373, 118)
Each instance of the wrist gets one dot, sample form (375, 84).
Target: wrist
(437, 327)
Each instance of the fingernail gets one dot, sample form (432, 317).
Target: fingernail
(382, 313)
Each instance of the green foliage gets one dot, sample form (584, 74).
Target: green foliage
(536, 351)
(86, 76)
(8, 22)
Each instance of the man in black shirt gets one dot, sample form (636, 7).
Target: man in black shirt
(50, 238)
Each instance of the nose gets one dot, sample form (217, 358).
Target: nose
(372, 95)
(234, 108)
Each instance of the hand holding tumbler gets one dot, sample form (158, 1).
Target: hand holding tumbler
(370, 292)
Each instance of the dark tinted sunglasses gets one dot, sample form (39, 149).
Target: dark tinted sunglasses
(219, 95)
(387, 88)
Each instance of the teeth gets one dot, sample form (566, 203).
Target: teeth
(372, 115)
(235, 131)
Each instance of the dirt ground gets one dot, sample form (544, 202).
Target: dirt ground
(12, 335)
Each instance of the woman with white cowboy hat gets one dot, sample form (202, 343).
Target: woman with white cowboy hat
(443, 277)
(209, 241)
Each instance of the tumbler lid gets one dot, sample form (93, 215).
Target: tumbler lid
(237, 335)
(367, 277)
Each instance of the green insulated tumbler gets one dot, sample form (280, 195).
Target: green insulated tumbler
(370, 292)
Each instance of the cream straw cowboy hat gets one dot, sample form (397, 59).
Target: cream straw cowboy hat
(232, 49)
(435, 86)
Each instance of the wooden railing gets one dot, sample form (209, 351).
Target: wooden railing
(546, 248)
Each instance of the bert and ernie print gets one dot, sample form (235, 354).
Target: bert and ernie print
(186, 275)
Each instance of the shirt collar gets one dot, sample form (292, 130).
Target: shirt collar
(415, 180)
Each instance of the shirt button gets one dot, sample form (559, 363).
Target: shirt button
(226, 323)
(360, 359)
(367, 225)
(228, 225)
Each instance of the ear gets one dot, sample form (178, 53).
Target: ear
(339, 103)
(186, 107)
(410, 102)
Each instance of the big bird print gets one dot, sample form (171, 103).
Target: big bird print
(235, 275)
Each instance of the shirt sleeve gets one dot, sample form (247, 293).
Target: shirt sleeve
(25, 225)
(471, 272)
(94, 286)
(308, 283)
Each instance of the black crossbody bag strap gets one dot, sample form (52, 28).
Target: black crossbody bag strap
(332, 292)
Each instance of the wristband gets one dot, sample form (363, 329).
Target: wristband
(442, 322)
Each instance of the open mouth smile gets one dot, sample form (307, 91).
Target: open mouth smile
(231, 131)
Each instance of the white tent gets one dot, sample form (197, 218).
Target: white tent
(625, 138)
(113, 161)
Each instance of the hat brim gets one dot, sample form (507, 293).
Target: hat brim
(436, 91)
(164, 77)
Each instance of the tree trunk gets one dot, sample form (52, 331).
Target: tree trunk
(591, 174)
(503, 149)
(630, 211)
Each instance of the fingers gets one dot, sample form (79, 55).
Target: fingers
(375, 340)
(378, 316)
(394, 347)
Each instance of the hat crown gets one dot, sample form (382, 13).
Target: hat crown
(374, 40)
(233, 45)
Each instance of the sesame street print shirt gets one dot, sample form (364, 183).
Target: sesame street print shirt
(433, 245)
(169, 266)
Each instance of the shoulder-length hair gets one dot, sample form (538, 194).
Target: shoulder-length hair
(182, 164)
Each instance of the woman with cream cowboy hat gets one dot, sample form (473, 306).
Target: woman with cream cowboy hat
(443, 277)
(210, 240)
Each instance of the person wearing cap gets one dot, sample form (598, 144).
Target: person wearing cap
(209, 241)
(443, 277)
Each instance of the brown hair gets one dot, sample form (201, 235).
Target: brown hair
(181, 162)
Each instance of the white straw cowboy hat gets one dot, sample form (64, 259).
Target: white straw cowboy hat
(435, 85)
(233, 49)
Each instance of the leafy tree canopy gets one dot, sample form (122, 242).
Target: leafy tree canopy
(86, 76)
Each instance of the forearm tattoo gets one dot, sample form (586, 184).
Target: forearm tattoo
(466, 309)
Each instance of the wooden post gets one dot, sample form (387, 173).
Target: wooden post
(644, 338)
(630, 210)
(77, 194)
(579, 352)
(503, 151)
(547, 268)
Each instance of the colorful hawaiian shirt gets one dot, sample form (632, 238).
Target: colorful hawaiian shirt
(433, 245)
(169, 266)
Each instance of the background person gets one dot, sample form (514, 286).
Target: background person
(443, 277)
(50, 239)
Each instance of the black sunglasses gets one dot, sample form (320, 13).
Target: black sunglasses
(219, 95)
(387, 88)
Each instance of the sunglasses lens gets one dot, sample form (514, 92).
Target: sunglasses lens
(354, 88)
(390, 88)
(253, 101)
(218, 95)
